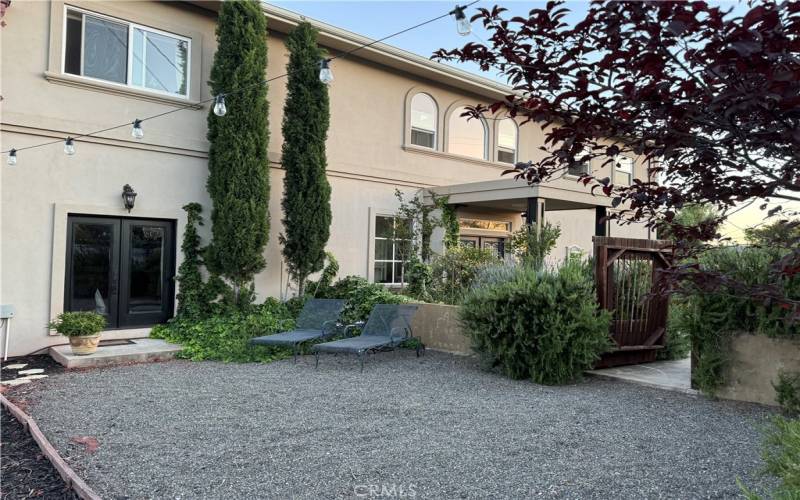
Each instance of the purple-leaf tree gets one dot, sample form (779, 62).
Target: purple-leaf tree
(710, 101)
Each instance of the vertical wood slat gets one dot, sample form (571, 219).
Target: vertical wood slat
(625, 288)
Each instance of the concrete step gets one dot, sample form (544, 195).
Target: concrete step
(137, 351)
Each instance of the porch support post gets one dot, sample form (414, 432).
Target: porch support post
(535, 213)
(600, 226)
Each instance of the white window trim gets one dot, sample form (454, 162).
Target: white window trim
(435, 121)
(373, 260)
(589, 168)
(129, 75)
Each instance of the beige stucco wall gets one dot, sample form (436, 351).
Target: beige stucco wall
(754, 364)
(439, 328)
(367, 153)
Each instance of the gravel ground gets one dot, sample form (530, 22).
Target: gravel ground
(433, 427)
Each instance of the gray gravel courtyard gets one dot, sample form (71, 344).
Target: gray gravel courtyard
(433, 427)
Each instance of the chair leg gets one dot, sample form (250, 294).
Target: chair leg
(316, 359)
(294, 352)
(361, 360)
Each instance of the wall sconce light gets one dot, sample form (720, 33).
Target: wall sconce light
(128, 197)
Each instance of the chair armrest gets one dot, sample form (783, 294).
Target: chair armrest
(329, 326)
(404, 331)
(357, 324)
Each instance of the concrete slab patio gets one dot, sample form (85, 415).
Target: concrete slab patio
(435, 425)
(133, 351)
(670, 375)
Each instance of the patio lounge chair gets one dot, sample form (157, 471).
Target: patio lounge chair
(317, 320)
(388, 325)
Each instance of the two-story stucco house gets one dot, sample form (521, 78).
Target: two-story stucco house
(68, 243)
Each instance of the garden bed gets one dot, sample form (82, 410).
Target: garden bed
(26, 472)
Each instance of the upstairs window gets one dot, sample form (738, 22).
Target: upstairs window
(466, 136)
(507, 141)
(623, 171)
(125, 53)
(580, 167)
(423, 121)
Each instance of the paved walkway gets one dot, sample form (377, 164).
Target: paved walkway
(671, 375)
(437, 426)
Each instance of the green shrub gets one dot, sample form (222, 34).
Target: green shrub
(542, 325)
(678, 344)
(712, 318)
(532, 245)
(420, 281)
(227, 337)
(787, 392)
(454, 272)
(75, 324)
(362, 296)
(781, 456)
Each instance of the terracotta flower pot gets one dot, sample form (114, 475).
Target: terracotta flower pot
(84, 344)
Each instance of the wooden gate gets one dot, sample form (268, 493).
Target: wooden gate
(626, 274)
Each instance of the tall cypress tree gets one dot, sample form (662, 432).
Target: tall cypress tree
(238, 180)
(306, 195)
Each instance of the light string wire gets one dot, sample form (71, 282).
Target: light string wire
(198, 104)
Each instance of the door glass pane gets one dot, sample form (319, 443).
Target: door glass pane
(105, 50)
(92, 249)
(146, 255)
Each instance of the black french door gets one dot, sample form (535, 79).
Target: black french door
(122, 268)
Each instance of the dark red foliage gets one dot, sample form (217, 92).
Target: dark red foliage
(710, 101)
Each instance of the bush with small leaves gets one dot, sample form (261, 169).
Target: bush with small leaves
(543, 325)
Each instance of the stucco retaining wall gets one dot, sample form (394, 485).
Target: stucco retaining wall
(439, 328)
(755, 361)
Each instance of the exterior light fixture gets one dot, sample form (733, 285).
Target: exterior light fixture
(69, 146)
(462, 23)
(219, 105)
(325, 73)
(12, 157)
(128, 197)
(137, 132)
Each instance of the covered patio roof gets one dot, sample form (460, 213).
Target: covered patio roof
(515, 195)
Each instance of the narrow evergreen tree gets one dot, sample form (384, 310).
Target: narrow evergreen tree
(191, 297)
(238, 180)
(306, 194)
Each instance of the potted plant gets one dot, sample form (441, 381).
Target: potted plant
(82, 328)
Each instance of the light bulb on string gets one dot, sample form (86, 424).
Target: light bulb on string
(462, 23)
(69, 146)
(219, 105)
(12, 157)
(325, 73)
(137, 132)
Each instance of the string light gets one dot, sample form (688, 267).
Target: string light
(462, 23)
(219, 105)
(219, 108)
(137, 132)
(325, 73)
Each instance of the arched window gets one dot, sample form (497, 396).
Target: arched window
(466, 136)
(423, 121)
(507, 141)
